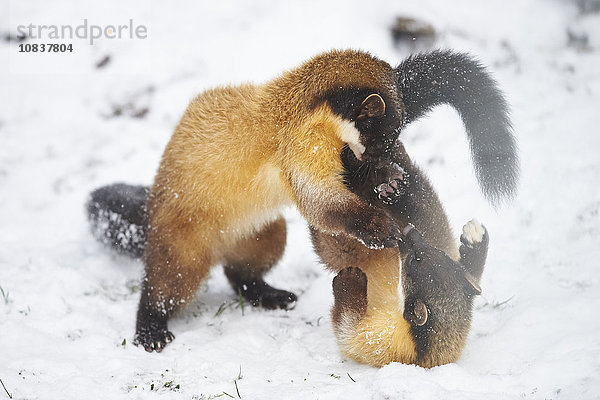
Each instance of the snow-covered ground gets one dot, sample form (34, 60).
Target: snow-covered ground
(67, 305)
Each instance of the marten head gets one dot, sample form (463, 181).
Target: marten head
(354, 85)
(438, 296)
(374, 118)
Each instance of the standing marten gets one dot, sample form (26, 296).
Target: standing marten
(240, 154)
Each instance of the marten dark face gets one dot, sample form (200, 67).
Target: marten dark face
(438, 295)
(376, 114)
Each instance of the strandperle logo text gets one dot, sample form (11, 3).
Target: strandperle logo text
(85, 30)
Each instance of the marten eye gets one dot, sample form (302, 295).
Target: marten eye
(413, 260)
(410, 259)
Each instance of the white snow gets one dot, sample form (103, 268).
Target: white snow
(67, 314)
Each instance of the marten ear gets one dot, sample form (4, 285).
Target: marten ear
(421, 313)
(471, 285)
(372, 106)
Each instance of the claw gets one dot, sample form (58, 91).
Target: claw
(154, 341)
(391, 191)
(381, 189)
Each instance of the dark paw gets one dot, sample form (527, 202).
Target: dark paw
(474, 235)
(474, 247)
(266, 296)
(350, 288)
(351, 277)
(153, 339)
(381, 231)
(397, 186)
(275, 298)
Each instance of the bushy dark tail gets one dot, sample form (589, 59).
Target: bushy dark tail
(446, 77)
(118, 217)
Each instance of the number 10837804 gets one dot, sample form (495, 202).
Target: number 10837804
(45, 48)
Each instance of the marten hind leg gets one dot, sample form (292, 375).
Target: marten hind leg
(175, 267)
(251, 258)
(474, 248)
(350, 294)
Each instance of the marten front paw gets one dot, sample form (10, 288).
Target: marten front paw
(350, 289)
(397, 186)
(378, 232)
(268, 297)
(153, 339)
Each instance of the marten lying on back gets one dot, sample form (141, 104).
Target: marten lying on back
(411, 304)
(239, 154)
(427, 320)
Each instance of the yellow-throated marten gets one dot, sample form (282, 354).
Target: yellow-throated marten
(419, 314)
(410, 304)
(239, 154)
